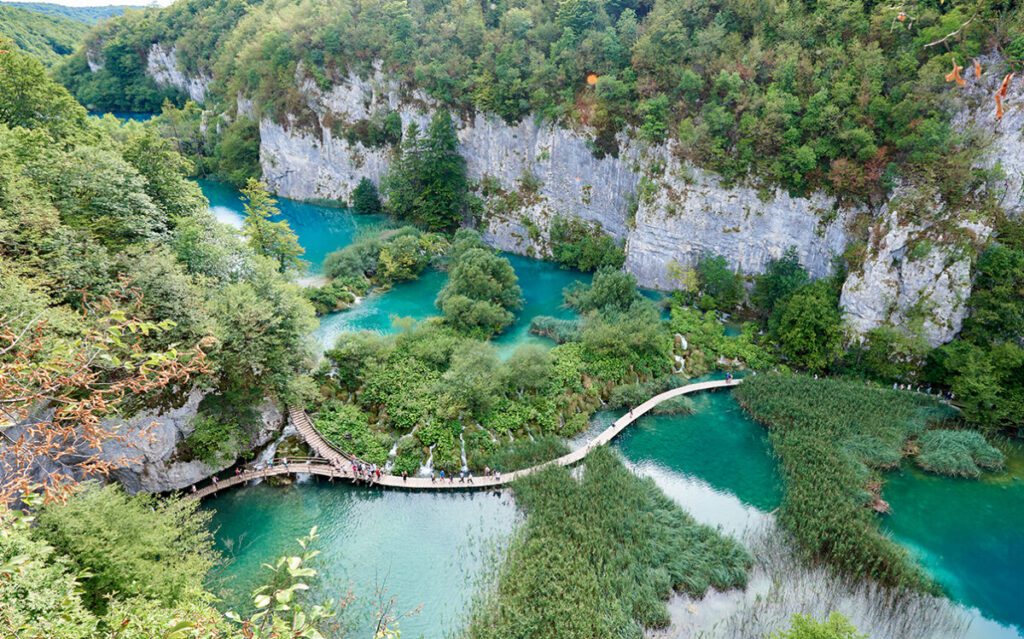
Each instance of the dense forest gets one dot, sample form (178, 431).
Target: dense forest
(48, 37)
(845, 96)
(88, 15)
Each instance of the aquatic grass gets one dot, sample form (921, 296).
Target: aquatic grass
(831, 436)
(962, 453)
(598, 556)
(523, 453)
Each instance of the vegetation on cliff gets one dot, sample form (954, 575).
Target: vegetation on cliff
(48, 37)
(847, 96)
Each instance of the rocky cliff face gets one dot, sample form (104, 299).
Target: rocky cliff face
(149, 444)
(162, 66)
(666, 212)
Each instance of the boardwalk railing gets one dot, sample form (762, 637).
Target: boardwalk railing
(337, 463)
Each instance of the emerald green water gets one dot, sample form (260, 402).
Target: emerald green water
(717, 463)
(425, 550)
(968, 533)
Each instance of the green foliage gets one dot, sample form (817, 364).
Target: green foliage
(85, 15)
(348, 428)
(828, 433)
(597, 557)
(331, 297)
(524, 453)
(808, 326)
(888, 353)
(805, 627)
(236, 152)
(805, 95)
(214, 442)
(47, 37)
(707, 342)
(963, 453)
(610, 290)
(782, 277)
(274, 240)
(365, 199)
(481, 294)
(427, 183)
(583, 246)
(626, 395)
(720, 288)
(159, 550)
(28, 98)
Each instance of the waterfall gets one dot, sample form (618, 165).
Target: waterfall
(462, 442)
(427, 469)
(680, 364)
(267, 454)
(391, 456)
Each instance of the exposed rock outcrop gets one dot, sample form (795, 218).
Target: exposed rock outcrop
(162, 66)
(666, 212)
(150, 443)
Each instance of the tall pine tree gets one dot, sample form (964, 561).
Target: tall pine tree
(427, 183)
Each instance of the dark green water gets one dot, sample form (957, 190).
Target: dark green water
(717, 463)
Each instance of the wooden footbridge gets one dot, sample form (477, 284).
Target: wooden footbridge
(334, 463)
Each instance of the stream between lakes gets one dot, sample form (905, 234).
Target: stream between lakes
(429, 551)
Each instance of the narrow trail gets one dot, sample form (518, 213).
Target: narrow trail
(333, 462)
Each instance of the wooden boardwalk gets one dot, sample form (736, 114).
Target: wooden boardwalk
(332, 462)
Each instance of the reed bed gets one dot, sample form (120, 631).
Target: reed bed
(599, 556)
(832, 437)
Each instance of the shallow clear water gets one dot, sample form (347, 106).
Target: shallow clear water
(425, 550)
(717, 463)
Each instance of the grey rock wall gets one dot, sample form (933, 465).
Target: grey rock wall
(162, 66)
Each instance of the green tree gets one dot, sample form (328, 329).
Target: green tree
(529, 369)
(138, 545)
(481, 293)
(30, 99)
(808, 327)
(473, 378)
(781, 277)
(428, 184)
(365, 199)
(610, 290)
(275, 240)
(720, 287)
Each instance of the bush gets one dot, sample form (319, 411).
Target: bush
(583, 246)
(366, 199)
(481, 293)
(348, 428)
(805, 627)
(610, 290)
(157, 549)
(213, 441)
(720, 287)
(962, 453)
(824, 432)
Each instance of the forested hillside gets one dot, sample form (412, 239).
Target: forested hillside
(113, 269)
(88, 15)
(48, 37)
(832, 94)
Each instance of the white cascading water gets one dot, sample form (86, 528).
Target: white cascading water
(462, 442)
(427, 469)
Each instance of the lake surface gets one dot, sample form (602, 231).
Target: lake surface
(717, 463)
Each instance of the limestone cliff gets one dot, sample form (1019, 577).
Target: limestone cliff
(162, 66)
(148, 447)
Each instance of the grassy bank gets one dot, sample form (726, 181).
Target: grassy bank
(832, 437)
(597, 557)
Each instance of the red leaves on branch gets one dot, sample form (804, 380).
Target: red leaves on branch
(55, 395)
(954, 75)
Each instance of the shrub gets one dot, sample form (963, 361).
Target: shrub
(523, 453)
(963, 453)
(366, 199)
(583, 246)
(348, 428)
(213, 441)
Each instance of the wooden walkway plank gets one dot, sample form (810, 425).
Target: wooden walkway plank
(338, 464)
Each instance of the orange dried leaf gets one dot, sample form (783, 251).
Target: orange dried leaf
(1005, 85)
(977, 68)
(954, 75)
(999, 107)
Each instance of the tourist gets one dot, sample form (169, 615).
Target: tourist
(405, 476)
(487, 471)
(215, 480)
(432, 480)
(442, 474)
(284, 462)
(469, 478)
(193, 489)
(728, 377)
(497, 475)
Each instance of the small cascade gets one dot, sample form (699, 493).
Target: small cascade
(391, 457)
(681, 342)
(427, 469)
(680, 364)
(465, 464)
(267, 455)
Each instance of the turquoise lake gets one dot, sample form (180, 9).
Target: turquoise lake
(430, 549)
